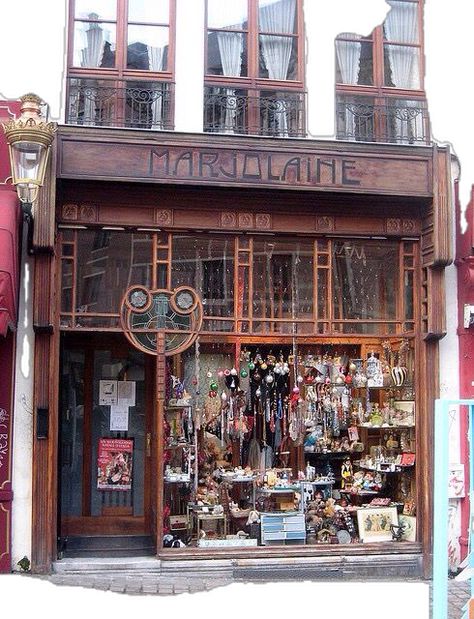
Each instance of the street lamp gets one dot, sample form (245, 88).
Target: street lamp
(29, 140)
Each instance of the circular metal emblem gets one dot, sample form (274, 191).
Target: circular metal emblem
(138, 299)
(184, 300)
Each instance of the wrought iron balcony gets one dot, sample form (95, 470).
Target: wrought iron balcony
(102, 103)
(397, 122)
(266, 113)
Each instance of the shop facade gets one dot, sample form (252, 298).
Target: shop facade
(239, 348)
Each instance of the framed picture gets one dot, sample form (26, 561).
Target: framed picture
(374, 523)
(406, 412)
(409, 527)
(407, 459)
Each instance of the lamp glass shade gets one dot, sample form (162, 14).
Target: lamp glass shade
(28, 160)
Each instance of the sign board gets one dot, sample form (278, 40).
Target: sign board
(114, 464)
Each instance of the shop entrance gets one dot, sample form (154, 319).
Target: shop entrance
(106, 396)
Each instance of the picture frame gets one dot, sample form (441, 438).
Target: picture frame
(407, 407)
(409, 527)
(374, 523)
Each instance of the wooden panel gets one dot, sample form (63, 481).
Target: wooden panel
(96, 525)
(323, 166)
(44, 209)
(442, 208)
(436, 304)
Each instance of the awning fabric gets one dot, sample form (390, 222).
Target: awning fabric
(9, 274)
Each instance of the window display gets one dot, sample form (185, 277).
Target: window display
(290, 445)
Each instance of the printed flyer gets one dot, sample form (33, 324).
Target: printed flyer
(114, 471)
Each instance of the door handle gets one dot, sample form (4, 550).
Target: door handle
(148, 444)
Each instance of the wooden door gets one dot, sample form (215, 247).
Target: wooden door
(105, 447)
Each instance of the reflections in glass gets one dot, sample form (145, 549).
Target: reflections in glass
(94, 44)
(147, 48)
(354, 61)
(207, 265)
(227, 15)
(227, 53)
(96, 9)
(402, 66)
(365, 279)
(151, 11)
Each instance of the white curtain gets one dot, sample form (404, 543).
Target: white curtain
(91, 56)
(401, 25)
(156, 58)
(276, 50)
(408, 121)
(348, 57)
(230, 50)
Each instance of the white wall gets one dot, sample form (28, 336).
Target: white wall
(23, 419)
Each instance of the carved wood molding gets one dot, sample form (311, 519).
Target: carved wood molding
(324, 224)
(164, 217)
(402, 227)
(245, 221)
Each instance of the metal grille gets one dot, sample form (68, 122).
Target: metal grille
(266, 113)
(139, 105)
(398, 121)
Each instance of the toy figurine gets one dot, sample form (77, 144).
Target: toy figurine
(346, 473)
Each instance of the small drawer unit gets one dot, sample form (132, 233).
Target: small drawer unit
(283, 528)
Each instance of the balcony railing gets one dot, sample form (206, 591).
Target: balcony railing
(138, 105)
(398, 122)
(266, 113)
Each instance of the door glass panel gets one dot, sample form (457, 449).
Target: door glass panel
(118, 474)
(72, 424)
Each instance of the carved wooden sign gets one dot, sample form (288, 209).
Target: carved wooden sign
(298, 168)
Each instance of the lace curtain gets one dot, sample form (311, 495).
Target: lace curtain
(348, 57)
(276, 50)
(156, 57)
(230, 51)
(91, 56)
(401, 25)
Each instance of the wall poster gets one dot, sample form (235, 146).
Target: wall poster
(114, 464)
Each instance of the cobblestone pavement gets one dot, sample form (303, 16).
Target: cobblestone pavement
(458, 595)
(458, 592)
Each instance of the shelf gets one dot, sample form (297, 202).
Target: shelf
(384, 427)
(329, 454)
(376, 470)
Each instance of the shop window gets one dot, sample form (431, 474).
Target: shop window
(120, 68)
(253, 46)
(379, 85)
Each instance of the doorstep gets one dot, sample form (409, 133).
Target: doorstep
(328, 567)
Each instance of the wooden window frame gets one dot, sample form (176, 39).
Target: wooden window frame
(120, 72)
(253, 81)
(378, 90)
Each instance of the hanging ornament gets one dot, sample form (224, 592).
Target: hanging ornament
(296, 390)
(258, 392)
(256, 377)
(194, 380)
(340, 379)
(269, 378)
(244, 373)
(352, 367)
(223, 396)
(234, 372)
(209, 374)
(278, 368)
(299, 379)
(286, 368)
(251, 366)
(220, 373)
(212, 394)
(348, 379)
(226, 372)
(213, 386)
(263, 366)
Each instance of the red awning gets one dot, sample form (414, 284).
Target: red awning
(9, 272)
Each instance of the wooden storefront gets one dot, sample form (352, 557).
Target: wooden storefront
(172, 190)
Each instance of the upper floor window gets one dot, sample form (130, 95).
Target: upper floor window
(120, 63)
(254, 69)
(379, 79)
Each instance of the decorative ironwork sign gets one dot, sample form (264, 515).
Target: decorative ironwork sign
(176, 313)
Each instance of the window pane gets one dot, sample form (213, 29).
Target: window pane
(96, 9)
(401, 23)
(283, 279)
(277, 16)
(94, 44)
(227, 53)
(147, 48)
(231, 14)
(156, 11)
(207, 265)
(107, 264)
(278, 57)
(354, 62)
(355, 118)
(402, 66)
(365, 280)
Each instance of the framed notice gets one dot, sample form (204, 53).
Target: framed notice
(107, 392)
(114, 464)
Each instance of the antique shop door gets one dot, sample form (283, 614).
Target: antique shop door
(106, 404)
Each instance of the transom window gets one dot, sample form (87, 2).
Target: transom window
(254, 69)
(121, 63)
(291, 286)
